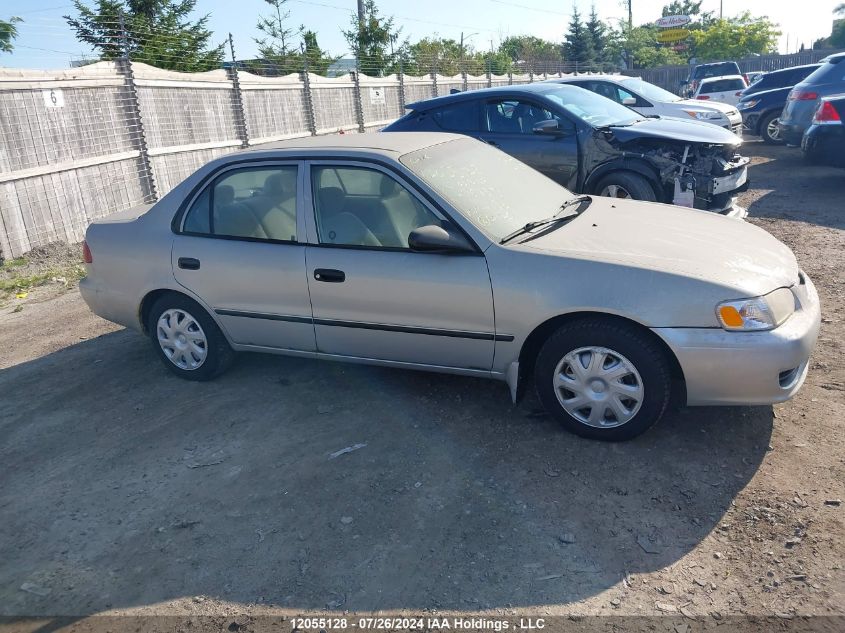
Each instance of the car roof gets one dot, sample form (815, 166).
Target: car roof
(537, 88)
(791, 68)
(835, 58)
(714, 64)
(710, 80)
(371, 142)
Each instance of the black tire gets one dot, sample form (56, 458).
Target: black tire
(635, 346)
(218, 353)
(638, 187)
(764, 129)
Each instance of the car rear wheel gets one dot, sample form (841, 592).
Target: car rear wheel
(769, 131)
(626, 184)
(603, 379)
(187, 339)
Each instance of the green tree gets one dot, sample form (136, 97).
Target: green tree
(158, 32)
(277, 49)
(434, 54)
(531, 52)
(8, 32)
(578, 45)
(598, 36)
(318, 60)
(682, 7)
(735, 38)
(644, 51)
(370, 42)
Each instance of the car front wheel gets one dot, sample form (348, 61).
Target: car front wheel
(769, 130)
(603, 379)
(187, 339)
(626, 184)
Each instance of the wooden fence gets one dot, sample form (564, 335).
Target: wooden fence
(79, 144)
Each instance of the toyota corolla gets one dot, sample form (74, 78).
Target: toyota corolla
(435, 251)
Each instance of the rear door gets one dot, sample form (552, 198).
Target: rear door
(508, 123)
(240, 249)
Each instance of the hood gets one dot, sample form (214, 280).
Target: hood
(678, 130)
(724, 108)
(744, 259)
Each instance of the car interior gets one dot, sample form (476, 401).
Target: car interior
(363, 207)
(514, 117)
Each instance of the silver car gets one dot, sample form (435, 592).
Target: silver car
(437, 252)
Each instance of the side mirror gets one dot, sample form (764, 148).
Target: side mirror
(629, 101)
(549, 126)
(436, 239)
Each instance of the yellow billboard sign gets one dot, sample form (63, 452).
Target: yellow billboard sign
(672, 35)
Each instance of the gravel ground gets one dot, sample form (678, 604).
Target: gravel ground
(128, 491)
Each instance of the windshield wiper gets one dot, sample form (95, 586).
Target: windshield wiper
(557, 217)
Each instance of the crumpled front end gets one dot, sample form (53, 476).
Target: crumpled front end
(706, 177)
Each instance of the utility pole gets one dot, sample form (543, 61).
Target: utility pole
(720, 9)
(630, 15)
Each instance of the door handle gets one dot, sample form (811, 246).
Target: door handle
(329, 275)
(189, 263)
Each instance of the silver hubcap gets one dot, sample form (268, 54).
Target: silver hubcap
(598, 387)
(772, 130)
(615, 191)
(181, 339)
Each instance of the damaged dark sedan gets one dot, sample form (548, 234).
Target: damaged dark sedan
(591, 144)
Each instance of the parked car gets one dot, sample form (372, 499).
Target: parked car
(591, 144)
(784, 78)
(803, 99)
(754, 76)
(824, 140)
(437, 252)
(651, 100)
(702, 71)
(760, 112)
(720, 89)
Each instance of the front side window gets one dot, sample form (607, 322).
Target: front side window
(253, 203)
(512, 116)
(359, 206)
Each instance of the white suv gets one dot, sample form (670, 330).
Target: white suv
(648, 100)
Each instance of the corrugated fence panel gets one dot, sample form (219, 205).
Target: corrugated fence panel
(418, 88)
(274, 107)
(171, 169)
(475, 83)
(334, 103)
(380, 101)
(445, 84)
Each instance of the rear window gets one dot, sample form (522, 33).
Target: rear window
(716, 70)
(828, 72)
(722, 85)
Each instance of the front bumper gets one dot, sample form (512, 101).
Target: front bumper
(748, 368)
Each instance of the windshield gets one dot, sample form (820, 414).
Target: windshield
(494, 191)
(650, 91)
(596, 110)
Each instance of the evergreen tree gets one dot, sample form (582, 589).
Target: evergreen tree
(598, 35)
(158, 32)
(318, 61)
(578, 46)
(277, 49)
(370, 42)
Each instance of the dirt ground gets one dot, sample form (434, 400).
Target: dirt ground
(127, 491)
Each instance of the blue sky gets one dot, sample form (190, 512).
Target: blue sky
(46, 41)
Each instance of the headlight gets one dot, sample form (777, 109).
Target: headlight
(705, 115)
(757, 313)
(745, 105)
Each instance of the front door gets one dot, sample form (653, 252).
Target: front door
(508, 124)
(240, 250)
(372, 296)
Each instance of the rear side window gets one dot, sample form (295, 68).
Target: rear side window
(717, 70)
(256, 203)
(722, 85)
(457, 117)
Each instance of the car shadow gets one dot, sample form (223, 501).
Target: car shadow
(125, 486)
(793, 189)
